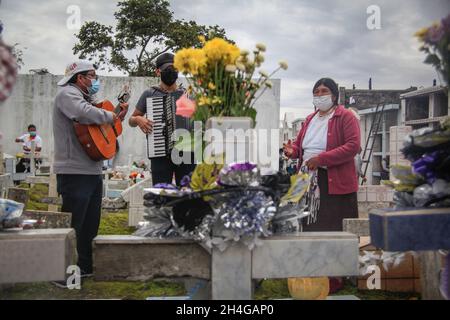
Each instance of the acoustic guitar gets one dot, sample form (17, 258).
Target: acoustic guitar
(100, 141)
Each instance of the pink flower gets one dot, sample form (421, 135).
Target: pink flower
(185, 107)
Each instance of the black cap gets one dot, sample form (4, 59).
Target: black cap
(164, 60)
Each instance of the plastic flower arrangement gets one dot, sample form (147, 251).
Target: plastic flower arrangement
(220, 205)
(436, 44)
(223, 80)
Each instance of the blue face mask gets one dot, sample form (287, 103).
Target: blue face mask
(95, 87)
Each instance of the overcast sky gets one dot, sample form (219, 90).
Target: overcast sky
(318, 38)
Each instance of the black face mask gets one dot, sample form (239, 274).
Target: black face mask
(169, 76)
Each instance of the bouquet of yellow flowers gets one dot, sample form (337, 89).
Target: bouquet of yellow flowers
(436, 44)
(221, 79)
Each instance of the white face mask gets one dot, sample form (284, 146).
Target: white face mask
(323, 103)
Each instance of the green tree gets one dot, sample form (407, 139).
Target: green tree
(145, 29)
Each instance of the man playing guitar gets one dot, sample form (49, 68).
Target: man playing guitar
(79, 178)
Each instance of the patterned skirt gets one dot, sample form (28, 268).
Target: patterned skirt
(333, 208)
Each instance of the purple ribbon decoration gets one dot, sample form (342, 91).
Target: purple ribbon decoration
(165, 186)
(425, 165)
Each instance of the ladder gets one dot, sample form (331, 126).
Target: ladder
(374, 128)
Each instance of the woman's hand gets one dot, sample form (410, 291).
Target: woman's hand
(145, 124)
(288, 149)
(312, 163)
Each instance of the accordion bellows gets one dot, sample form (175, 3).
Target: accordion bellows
(160, 110)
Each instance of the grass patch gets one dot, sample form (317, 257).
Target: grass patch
(272, 289)
(36, 193)
(112, 223)
(278, 289)
(115, 224)
(91, 289)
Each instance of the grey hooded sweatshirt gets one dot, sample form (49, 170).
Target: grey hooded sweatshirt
(71, 104)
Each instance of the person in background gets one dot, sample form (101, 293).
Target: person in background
(326, 147)
(27, 140)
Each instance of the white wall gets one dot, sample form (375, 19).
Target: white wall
(33, 97)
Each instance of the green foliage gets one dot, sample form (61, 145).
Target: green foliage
(115, 224)
(205, 176)
(36, 193)
(145, 29)
(278, 289)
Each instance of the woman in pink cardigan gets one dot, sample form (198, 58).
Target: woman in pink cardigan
(326, 146)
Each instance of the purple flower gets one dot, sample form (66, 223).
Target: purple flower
(165, 186)
(186, 181)
(424, 166)
(238, 174)
(247, 166)
(435, 34)
(446, 24)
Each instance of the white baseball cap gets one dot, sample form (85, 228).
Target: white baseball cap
(74, 68)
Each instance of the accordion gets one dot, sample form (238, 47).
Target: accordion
(161, 110)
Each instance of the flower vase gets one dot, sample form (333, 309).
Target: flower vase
(232, 136)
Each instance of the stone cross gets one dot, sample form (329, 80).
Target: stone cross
(231, 272)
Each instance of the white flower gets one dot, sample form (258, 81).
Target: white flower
(283, 64)
(259, 59)
(261, 47)
(269, 84)
(245, 53)
(240, 66)
(231, 68)
(264, 74)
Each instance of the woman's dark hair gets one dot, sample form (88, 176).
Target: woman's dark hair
(330, 84)
(31, 126)
(74, 77)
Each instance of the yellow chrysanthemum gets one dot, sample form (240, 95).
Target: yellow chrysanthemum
(218, 49)
(204, 101)
(216, 100)
(421, 34)
(211, 86)
(202, 39)
(190, 61)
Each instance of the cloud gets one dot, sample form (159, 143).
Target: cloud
(317, 38)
